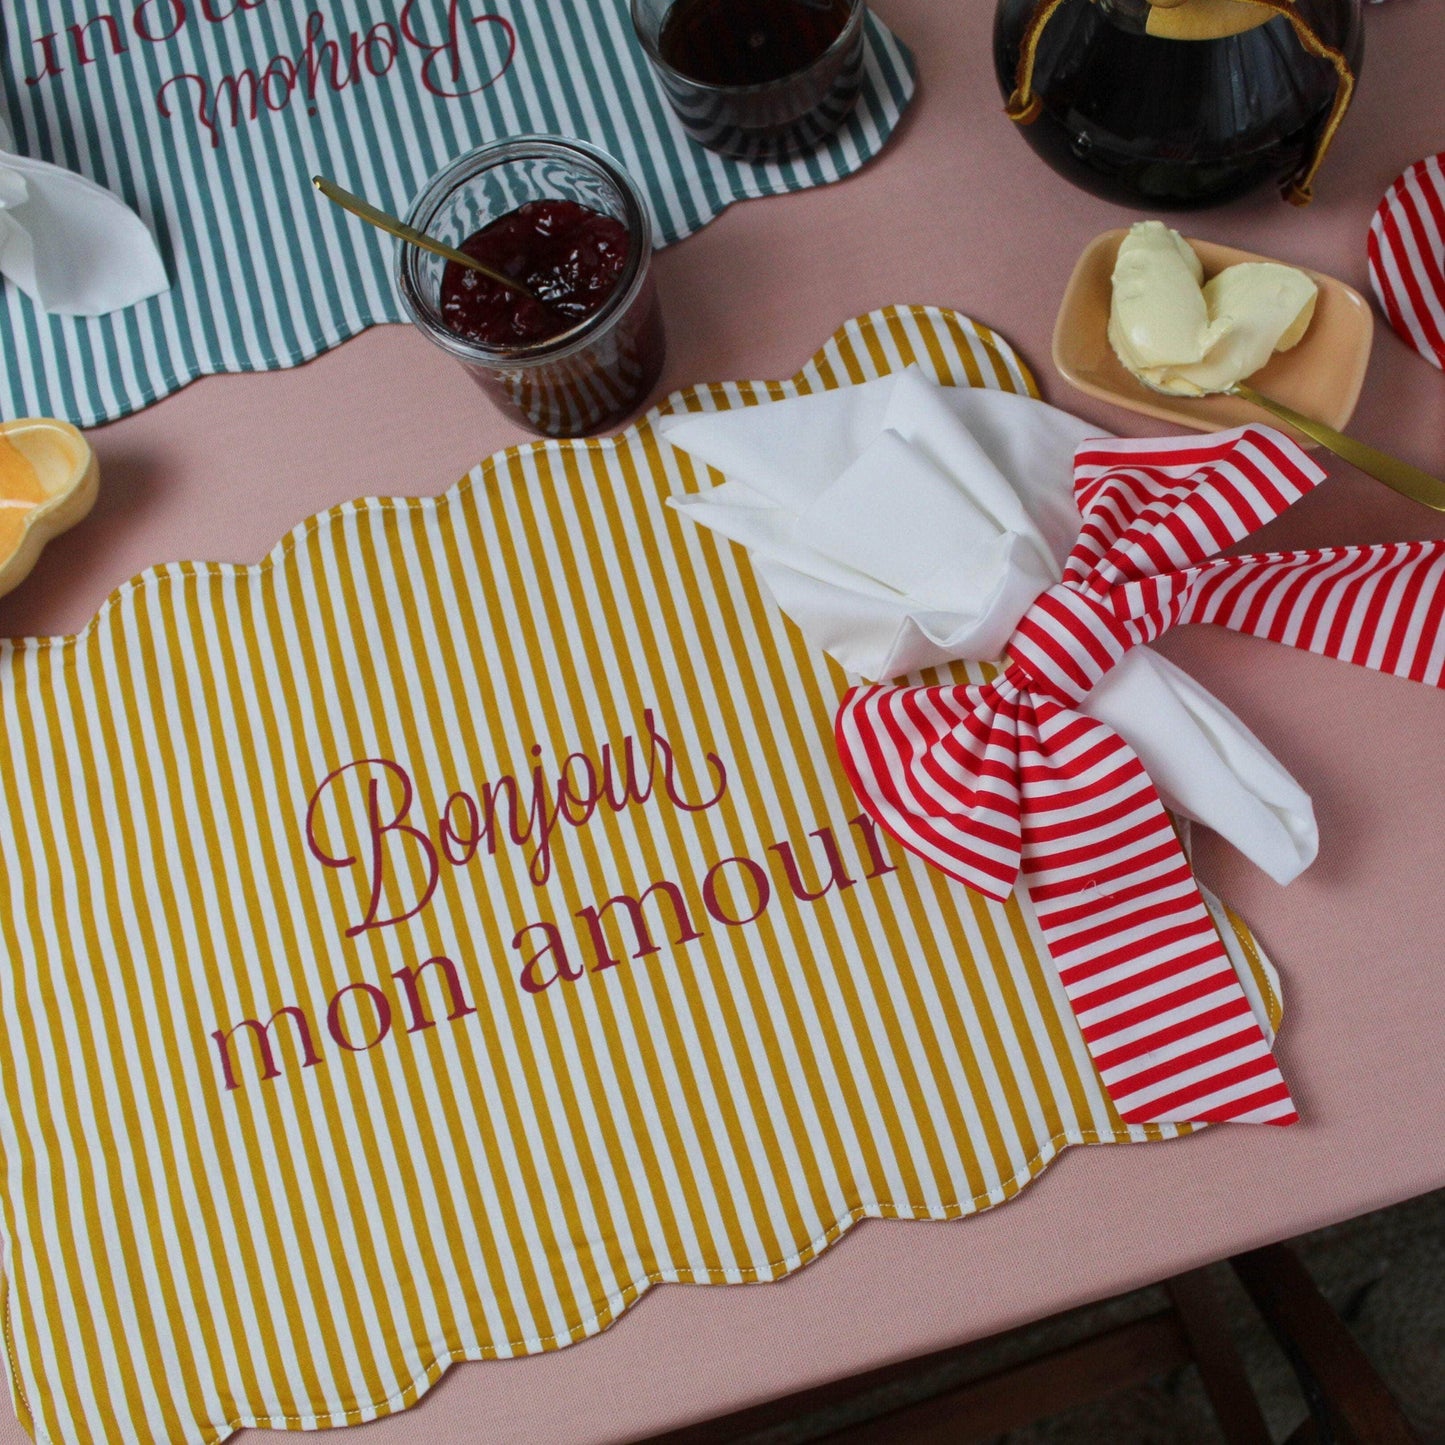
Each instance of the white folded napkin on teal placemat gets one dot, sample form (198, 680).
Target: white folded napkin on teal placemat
(73, 247)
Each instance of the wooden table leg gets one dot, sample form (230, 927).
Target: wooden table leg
(1347, 1398)
(1195, 1297)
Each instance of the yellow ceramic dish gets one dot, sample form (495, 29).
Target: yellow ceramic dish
(1321, 377)
(48, 483)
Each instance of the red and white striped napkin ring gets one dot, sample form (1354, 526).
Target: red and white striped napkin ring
(1407, 256)
(1008, 782)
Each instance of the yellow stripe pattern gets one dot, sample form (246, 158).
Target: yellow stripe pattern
(315, 1247)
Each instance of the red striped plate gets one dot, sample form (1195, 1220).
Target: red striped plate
(1407, 256)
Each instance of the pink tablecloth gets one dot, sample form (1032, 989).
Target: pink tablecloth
(957, 212)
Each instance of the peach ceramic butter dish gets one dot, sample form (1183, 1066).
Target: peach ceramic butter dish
(48, 482)
(1320, 377)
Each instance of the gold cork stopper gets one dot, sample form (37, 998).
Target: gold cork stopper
(1204, 19)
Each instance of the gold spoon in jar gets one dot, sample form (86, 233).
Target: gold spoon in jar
(1400, 475)
(393, 225)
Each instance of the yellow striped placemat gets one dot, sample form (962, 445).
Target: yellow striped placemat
(420, 943)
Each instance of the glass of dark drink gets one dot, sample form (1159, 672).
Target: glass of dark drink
(756, 79)
(583, 345)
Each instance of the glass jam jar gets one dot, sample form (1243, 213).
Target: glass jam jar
(595, 372)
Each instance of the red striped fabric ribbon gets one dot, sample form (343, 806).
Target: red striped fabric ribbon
(1007, 782)
(1407, 256)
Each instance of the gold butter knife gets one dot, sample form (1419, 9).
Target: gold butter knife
(1401, 476)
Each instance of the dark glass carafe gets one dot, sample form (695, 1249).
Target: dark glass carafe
(1173, 123)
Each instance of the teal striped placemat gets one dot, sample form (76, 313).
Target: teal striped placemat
(210, 116)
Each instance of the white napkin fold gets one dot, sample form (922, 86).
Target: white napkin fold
(73, 247)
(904, 525)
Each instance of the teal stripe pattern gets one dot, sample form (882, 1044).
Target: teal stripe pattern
(210, 117)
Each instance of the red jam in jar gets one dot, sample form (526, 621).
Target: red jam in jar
(584, 350)
(569, 257)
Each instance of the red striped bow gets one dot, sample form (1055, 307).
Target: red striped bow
(1008, 781)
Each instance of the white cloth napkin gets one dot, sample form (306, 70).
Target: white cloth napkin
(904, 525)
(73, 247)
